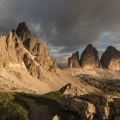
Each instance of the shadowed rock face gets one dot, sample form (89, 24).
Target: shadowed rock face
(23, 32)
(111, 59)
(89, 58)
(93, 106)
(73, 62)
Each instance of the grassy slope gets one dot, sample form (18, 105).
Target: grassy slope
(12, 108)
(52, 99)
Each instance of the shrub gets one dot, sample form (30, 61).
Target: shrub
(9, 109)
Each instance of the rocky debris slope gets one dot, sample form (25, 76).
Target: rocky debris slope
(89, 58)
(111, 59)
(73, 90)
(104, 84)
(93, 106)
(73, 61)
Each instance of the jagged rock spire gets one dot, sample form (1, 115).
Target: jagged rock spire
(73, 61)
(89, 57)
(23, 31)
(110, 59)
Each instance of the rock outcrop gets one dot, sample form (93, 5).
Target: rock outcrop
(89, 58)
(56, 117)
(23, 32)
(93, 106)
(73, 62)
(73, 90)
(110, 59)
(85, 109)
(11, 50)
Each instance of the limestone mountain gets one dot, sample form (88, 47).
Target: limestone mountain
(21, 48)
(36, 48)
(25, 65)
(73, 61)
(89, 58)
(21, 52)
(110, 59)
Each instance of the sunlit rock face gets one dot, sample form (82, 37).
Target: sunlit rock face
(35, 48)
(20, 48)
(93, 106)
(11, 50)
(89, 58)
(111, 59)
(73, 62)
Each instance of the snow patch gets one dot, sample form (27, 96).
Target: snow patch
(33, 57)
(14, 65)
(18, 65)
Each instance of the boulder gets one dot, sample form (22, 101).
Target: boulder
(103, 104)
(56, 117)
(85, 109)
(110, 59)
(89, 58)
(73, 90)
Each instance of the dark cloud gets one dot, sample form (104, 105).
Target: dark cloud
(69, 24)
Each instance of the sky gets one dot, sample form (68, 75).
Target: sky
(65, 26)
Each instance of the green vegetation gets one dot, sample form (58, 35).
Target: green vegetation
(52, 100)
(11, 108)
(104, 93)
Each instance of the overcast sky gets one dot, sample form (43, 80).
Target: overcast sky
(65, 26)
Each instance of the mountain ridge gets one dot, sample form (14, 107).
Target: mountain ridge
(89, 59)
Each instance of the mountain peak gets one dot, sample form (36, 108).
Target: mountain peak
(111, 48)
(23, 31)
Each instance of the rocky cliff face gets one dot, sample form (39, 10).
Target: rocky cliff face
(111, 59)
(93, 106)
(35, 47)
(89, 58)
(20, 48)
(11, 50)
(73, 62)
